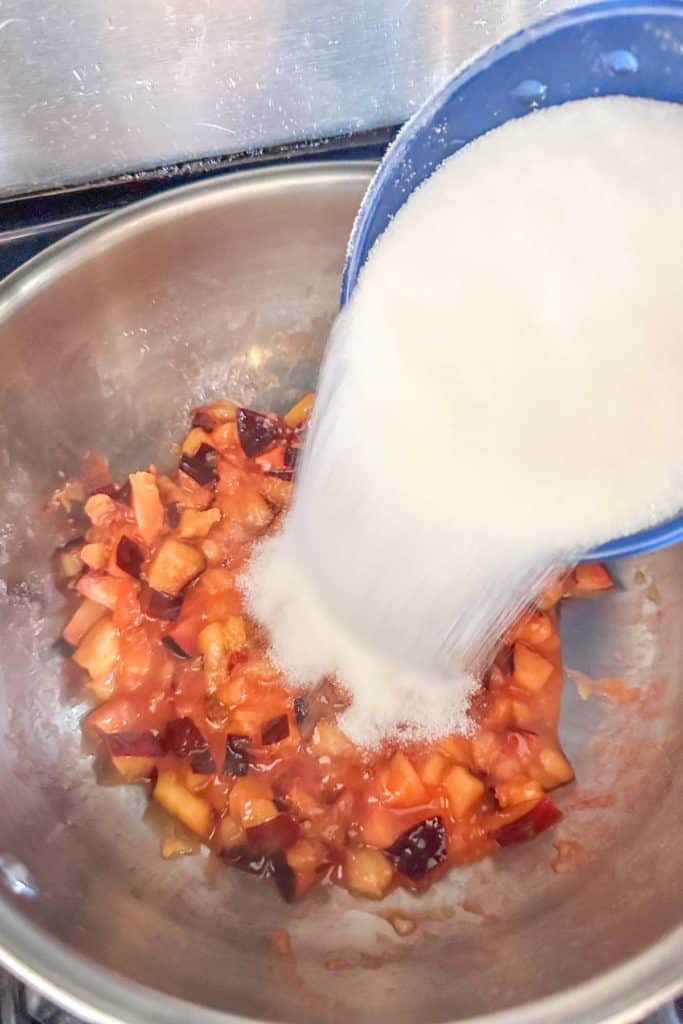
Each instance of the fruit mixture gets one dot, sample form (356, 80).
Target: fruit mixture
(189, 702)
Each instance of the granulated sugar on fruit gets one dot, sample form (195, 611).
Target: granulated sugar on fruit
(504, 390)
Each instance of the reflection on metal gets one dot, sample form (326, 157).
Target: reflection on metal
(91, 88)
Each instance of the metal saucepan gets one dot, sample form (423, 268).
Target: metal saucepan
(106, 340)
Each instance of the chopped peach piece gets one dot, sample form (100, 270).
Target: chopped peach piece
(532, 671)
(149, 512)
(100, 509)
(99, 649)
(518, 791)
(590, 576)
(457, 748)
(174, 566)
(534, 628)
(195, 523)
(134, 769)
(556, 765)
(464, 791)
(433, 768)
(251, 802)
(367, 872)
(330, 741)
(234, 633)
(549, 597)
(82, 620)
(299, 412)
(230, 833)
(194, 440)
(403, 782)
(95, 556)
(192, 810)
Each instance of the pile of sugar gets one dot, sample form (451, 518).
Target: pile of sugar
(504, 390)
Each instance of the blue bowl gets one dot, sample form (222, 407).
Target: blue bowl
(626, 47)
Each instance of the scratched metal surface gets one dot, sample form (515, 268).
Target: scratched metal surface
(91, 88)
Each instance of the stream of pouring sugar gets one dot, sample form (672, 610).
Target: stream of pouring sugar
(485, 410)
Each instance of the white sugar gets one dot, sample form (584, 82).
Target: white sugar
(504, 390)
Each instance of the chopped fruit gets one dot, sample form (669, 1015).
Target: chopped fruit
(147, 507)
(532, 671)
(464, 791)
(420, 849)
(234, 633)
(196, 523)
(174, 566)
(299, 412)
(518, 791)
(189, 698)
(591, 576)
(100, 509)
(251, 802)
(183, 739)
(257, 432)
(367, 872)
(540, 817)
(177, 845)
(402, 925)
(99, 649)
(201, 466)
(404, 784)
(95, 556)
(275, 730)
(278, 833)
(534, 629)
(192, 810)
(236, 761)
(135, 744)
(129, 557)
(82, 620)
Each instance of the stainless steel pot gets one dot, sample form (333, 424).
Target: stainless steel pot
(105, 341)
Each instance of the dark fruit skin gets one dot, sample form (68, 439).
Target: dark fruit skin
(157, 605)
(419, 849)
(284, 875)
(129, 557)
(257, 433)
(544, 815)
(236, 761)
(301, 709)
(203, 419)
(175, 648)
(275, 730)
(278, 833)
(183, 739)
(202, 467)
(135, 744)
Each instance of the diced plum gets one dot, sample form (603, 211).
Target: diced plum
(183, 739)
(203, 419)
(278, 833)
(157, 605)
(99, 649)
(419, 849)
(191, 809)
(301, 710)
(275, 730)
(82, 620)
(532, 671)
(257, 432)
(464, 791)
(591, 576)
(135, 744)
(242, 858)
(174, 647)
(174, 565)
(284, 875)
(537, 820)
(101, 588)
(236, 762)
(147, 507)
(129, 556)
(299, 412)
(367, 872)
(202, 466)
